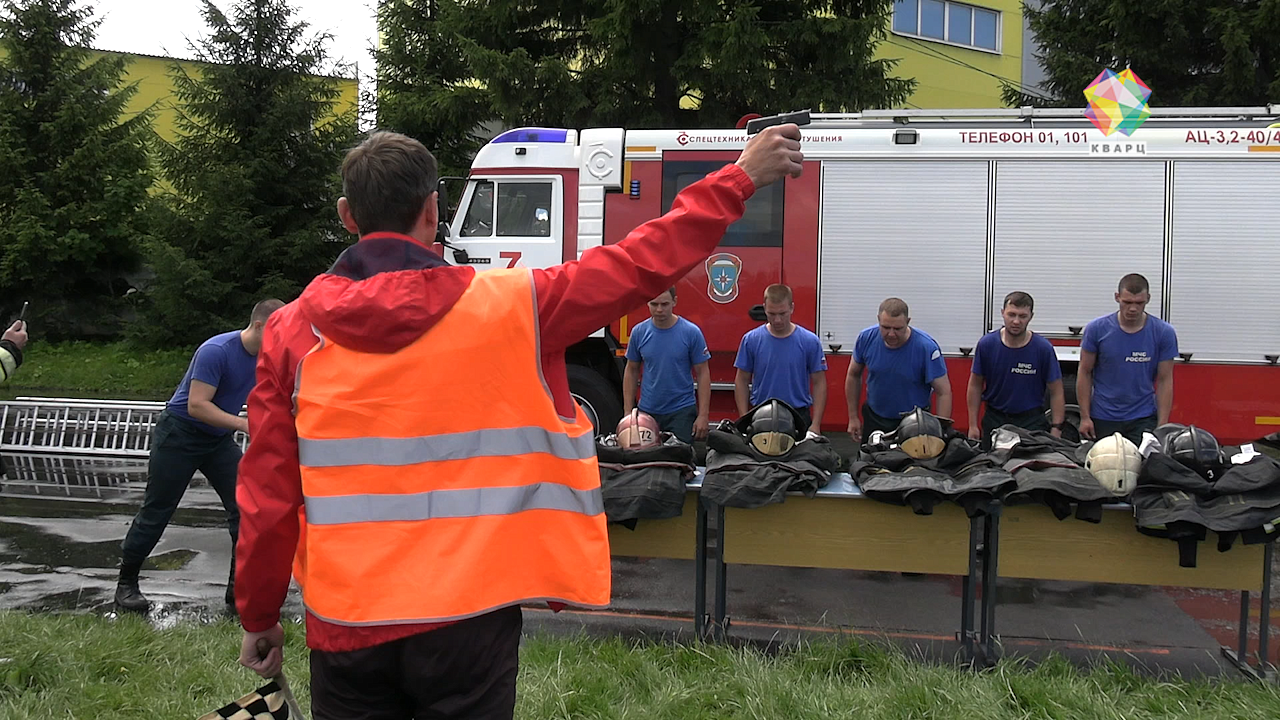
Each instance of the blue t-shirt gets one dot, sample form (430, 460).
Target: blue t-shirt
(898, 379)
(666, 384)
(221, 361)
(1124, 375)
(1015, 377)
(780, 367)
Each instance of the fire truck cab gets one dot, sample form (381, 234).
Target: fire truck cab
(949, 210)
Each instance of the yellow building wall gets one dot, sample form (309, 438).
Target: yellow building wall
(952, 76)
(155, 87)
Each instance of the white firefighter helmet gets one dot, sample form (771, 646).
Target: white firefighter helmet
(1115, 462)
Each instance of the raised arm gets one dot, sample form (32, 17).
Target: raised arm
(579, 297)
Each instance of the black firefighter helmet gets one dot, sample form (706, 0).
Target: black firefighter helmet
(1196, 448)
(773, 427)
(921, 434)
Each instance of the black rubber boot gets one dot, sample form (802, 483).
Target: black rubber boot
(128, 597)
(230, 597)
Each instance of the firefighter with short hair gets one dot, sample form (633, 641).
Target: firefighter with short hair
(1012, 369)
(781, 361)
(664, 354)
(905, 369)
(418, 462)
(1125, 380)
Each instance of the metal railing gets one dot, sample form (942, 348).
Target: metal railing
(73, 426)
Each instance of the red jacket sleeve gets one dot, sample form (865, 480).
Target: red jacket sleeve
(579, 297)
(268, 489)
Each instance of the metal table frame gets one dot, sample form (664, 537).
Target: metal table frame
(975, 636)
(1237, 656)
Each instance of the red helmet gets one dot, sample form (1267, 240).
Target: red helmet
(637, 431)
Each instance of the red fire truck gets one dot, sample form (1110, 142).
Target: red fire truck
(948, 210)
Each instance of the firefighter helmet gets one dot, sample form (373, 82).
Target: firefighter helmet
(920, 434)
(1115, 463)
(637, 431)
(1166, 430)
(773, 427)
(1196, 448)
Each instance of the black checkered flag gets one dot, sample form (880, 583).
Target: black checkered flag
(265, 703)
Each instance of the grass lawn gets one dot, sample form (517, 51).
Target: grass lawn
(83, 666)
(105, 370)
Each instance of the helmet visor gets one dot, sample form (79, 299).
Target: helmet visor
(773, 443)
(922, 447)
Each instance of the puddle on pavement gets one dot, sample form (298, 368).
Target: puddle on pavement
(72, 477)
(40, 552)
(1034, 592)
(78, 599)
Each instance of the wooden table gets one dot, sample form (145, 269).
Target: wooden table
(1027, 541)
(840, 528)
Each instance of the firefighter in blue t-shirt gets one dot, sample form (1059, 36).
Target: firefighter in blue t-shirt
(781, 360)
(905, 369)
(1125, 381)
(1012, 369)
(665, 353)
(196, 431)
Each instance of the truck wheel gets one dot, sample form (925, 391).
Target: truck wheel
(1069, 388)
(596, 396)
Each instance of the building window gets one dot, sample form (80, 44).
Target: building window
(950, 22)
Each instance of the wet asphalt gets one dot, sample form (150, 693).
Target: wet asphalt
(62, 520)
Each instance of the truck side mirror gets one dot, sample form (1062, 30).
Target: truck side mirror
(460, 255)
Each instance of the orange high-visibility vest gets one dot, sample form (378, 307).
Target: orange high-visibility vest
(439, 481)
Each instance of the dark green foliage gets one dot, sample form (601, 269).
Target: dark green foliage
(446, 66)
(253, 175)
(74, 172)
(1189, 52)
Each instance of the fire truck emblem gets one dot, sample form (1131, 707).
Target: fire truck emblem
(723, 271)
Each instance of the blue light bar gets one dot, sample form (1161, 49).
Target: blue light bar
(532, 135)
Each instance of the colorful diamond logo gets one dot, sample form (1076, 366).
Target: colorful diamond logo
(1117, 103)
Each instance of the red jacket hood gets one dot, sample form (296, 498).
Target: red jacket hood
(383, 293)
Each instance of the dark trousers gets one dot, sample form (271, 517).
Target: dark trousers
(872, 422)
(464, 670)
(1029, 420)
(178, 449)
(679, 423)
(807, 413)
(1131, 429)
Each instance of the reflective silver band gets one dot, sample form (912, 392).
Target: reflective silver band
(471, 502)
(490, 442)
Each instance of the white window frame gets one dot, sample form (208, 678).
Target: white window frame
(946, 26)
(557, 218)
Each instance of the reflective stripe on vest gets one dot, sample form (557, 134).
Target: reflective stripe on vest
(490, 442)
(476, 502)
(439, 482)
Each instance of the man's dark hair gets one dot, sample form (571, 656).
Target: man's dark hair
(1134, 283)
(386, 180)
(893, 307)
(263, 310)
(1017, 298)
